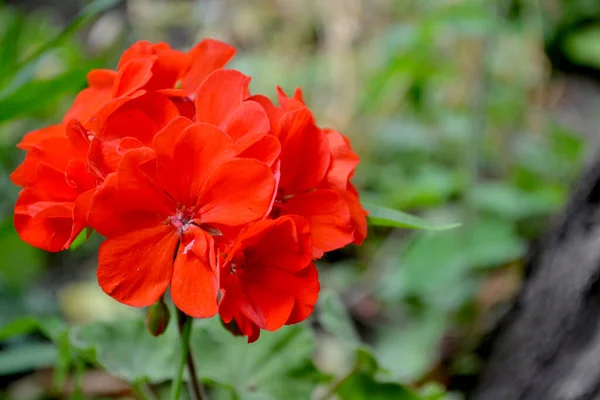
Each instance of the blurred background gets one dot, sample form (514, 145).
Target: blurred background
(476, 111)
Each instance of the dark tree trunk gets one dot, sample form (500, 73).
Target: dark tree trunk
(548, 346)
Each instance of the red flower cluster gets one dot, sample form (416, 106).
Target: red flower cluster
(196, 184)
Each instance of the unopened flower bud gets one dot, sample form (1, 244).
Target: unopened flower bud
(157, 318)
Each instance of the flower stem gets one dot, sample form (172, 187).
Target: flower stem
(184, 323)
(336, 384)
(143, 391)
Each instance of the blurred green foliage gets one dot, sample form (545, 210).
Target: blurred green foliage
(450, 106)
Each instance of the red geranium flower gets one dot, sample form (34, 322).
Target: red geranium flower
(52, 209)
(196, 185)
(165, 205)
(316, 166)
(268, 278)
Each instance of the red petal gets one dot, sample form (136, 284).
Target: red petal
(88, 102)
(101, 78)
(343, 160)
(134, 74)
(35, 137)
(273, 113)
(194, 285)
(81, 211)
(130, 199)
(248, 118)
(269, 284)
(284, 243)
(307, 295)
(169, 67)
(265, 149)
(359, 215)
(165, 139)
(199, 150)
(305, 152)
(329, 218)
(139, 49)
(238, 192)
(136, 267)
(219, 94)
(140, 118)
(207, 56)
(268, 308)
(290, 103)
(41, 223)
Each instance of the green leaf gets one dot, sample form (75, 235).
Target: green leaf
(87, 14)
(9, 43)
(20, 263)
(27, 357)
(381, 216)
(362, 386)
(19, 327)
(126, 349)
(409, 350)
(37, 95)
(335, 319)
(368, 381)
(278, 366)
(510, 202)
(51, 327)
(438, 268)
(583, 46)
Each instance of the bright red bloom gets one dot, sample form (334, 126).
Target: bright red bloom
(144, 67)
(316, 166)
(268, 278)
(164, 205)
(79, 157)
(196, 185)
(223, 99)
(52, 209)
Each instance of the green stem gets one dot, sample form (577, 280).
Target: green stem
(335, 386)
(143, 391)
(195, 388)
(185, 329)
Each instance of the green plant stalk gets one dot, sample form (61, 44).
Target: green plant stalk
(185, 330)
(196, 390)
(78, 380)
(336, 384)
(143, 391)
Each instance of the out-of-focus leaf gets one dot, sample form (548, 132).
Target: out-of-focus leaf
(126, 349)
(278, 366)
(510, 202)
(367, 381)
(436, 267)
(20, 262)
(22, 73)
(90, 11)
(431, 186)
(51, 327)
(583, 46)
(408, 350)
(335, 319)
(37, 95)
(382, 216)
(79, 240)
(27, 357)
(18, 327)
(9, 36)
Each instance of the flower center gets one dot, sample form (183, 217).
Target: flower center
(182, 219)
(237, 263)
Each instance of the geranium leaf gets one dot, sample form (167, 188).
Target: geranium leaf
(382, 216)
(278, 366)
